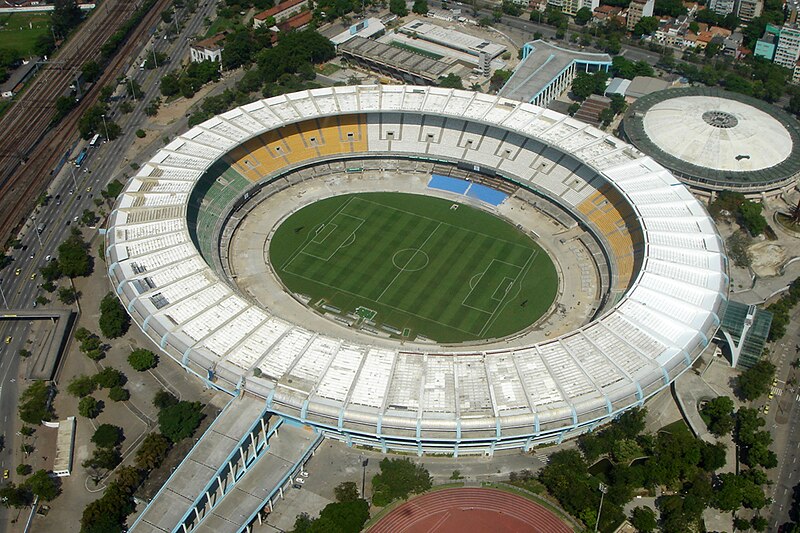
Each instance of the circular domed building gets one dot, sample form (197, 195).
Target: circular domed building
(715, 140)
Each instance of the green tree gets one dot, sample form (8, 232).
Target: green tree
(114, 321)
(16, 496)
(644, 519)
(81, 386)
(718, 414)
(89, 407)
(346, 517)
(67, 295)
(108, 436)
(128, 478)
(109, 377)
(23, 470)
(751, 217)
(141, 359)
(34, 406)
(118, 394)
(179, 421)
(583, 16)
(397, 479)
(398, 7)
(73, 257)
(759, 523)
(104, 459)
(346, 491)
(43, 485)
(163, 399)
(420, 7)
(109, 512)
(645, 26)
(91, 71)
(756, 381)
(451, 81)
(152, 451)
(65, 16)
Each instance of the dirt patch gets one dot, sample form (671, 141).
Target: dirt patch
(768, 258)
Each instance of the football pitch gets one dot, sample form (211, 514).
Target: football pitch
(412, 265)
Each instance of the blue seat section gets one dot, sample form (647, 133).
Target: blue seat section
(447, 183)
(486, 194)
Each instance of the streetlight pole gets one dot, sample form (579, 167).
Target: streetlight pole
(133, 91)
(3, 294)
(105, 126)
(603, 489)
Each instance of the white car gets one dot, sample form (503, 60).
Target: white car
(300, 480)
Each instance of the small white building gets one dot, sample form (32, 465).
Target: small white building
(65, 443)
(208, 49)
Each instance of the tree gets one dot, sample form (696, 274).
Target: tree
(67, 295)
(109, 512)
(81, 386)
(118, 394)
(751, 217)
(420, 7)
(152, 451)
(34, 405)
(44, 44)
(179, 421)
(91, 71)
(141, 359)
(498, 79)
(73, 257)
(741, 524)
(239, 48)
(114, 321)
(108, 436)
(397, 479)
(606, 116)
(128, 478)
(89, 407)
(756, 381)
(451, 81)
(104, 459)
(718, 414)
(51, 271)
(163, 399)
(346, 491)
(23, 470)
(759, 523)
(109, 377)
(15, 496)
(644, 519)
(645, 26)
(398, 7)
(346, 517)
(583, 16)
(43, 485)
(65, 16)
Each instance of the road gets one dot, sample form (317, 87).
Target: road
(72, 191)
(785, 423)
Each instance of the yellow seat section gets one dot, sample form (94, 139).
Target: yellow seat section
(299, 142)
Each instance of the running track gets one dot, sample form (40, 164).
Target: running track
(470, 509)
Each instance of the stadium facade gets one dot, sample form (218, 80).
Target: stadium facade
(666, 286)
(714, 140)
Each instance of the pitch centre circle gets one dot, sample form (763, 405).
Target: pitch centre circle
(410, 259)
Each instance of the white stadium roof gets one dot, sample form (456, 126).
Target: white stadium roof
(427, 399)
(718, 133)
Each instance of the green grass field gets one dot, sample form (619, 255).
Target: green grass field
(20, 30)
(422, 265)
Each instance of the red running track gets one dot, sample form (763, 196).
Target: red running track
(470, 510)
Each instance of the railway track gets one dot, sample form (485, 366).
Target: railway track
(29, 146)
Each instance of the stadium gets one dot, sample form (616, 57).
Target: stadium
(632, 272)
(714, 140)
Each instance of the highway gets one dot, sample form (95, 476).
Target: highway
(72, 191)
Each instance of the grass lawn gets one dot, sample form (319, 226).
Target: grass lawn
(220, 24)
(328, 68)
(420, 51)
(20, 30)
(418, 265)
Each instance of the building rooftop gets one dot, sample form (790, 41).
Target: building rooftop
(366, 28)
(212, 43)
(425, 67)
(452, 38)
(62, 465)
(280, 8)
(541, 66)
(715, 136)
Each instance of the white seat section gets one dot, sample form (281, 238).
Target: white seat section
(247, 122)
(193, 149)
(413, 99)
(656, 324)
(498, 112)
(257, 343)
(324, 101)
(688, 274)
(697, 259)
(670, 225)
(646, 344)
(182, 311)
(404, 390)
(165, 276)
(472, 385)
(692, 294)
(506, 388)
(536, 379)
(479, 107)
(627, 357)
(165, 186)
(337, 381)
(666, 304)
(435, 101)
(140, 231)
(370, 387)
(565, 371)
(230, 334)
(439, 388)
(597, 365)
(348, 101)
(147, 246)
(674, 240)
(283, 353)
(458, 103)
(180, 289)
(156, 260)
(304, 105)
(225, 129)
(283, 108)
(173, 159)
(216, 315)
(314, 360)
(202, 135)
(157, 200)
